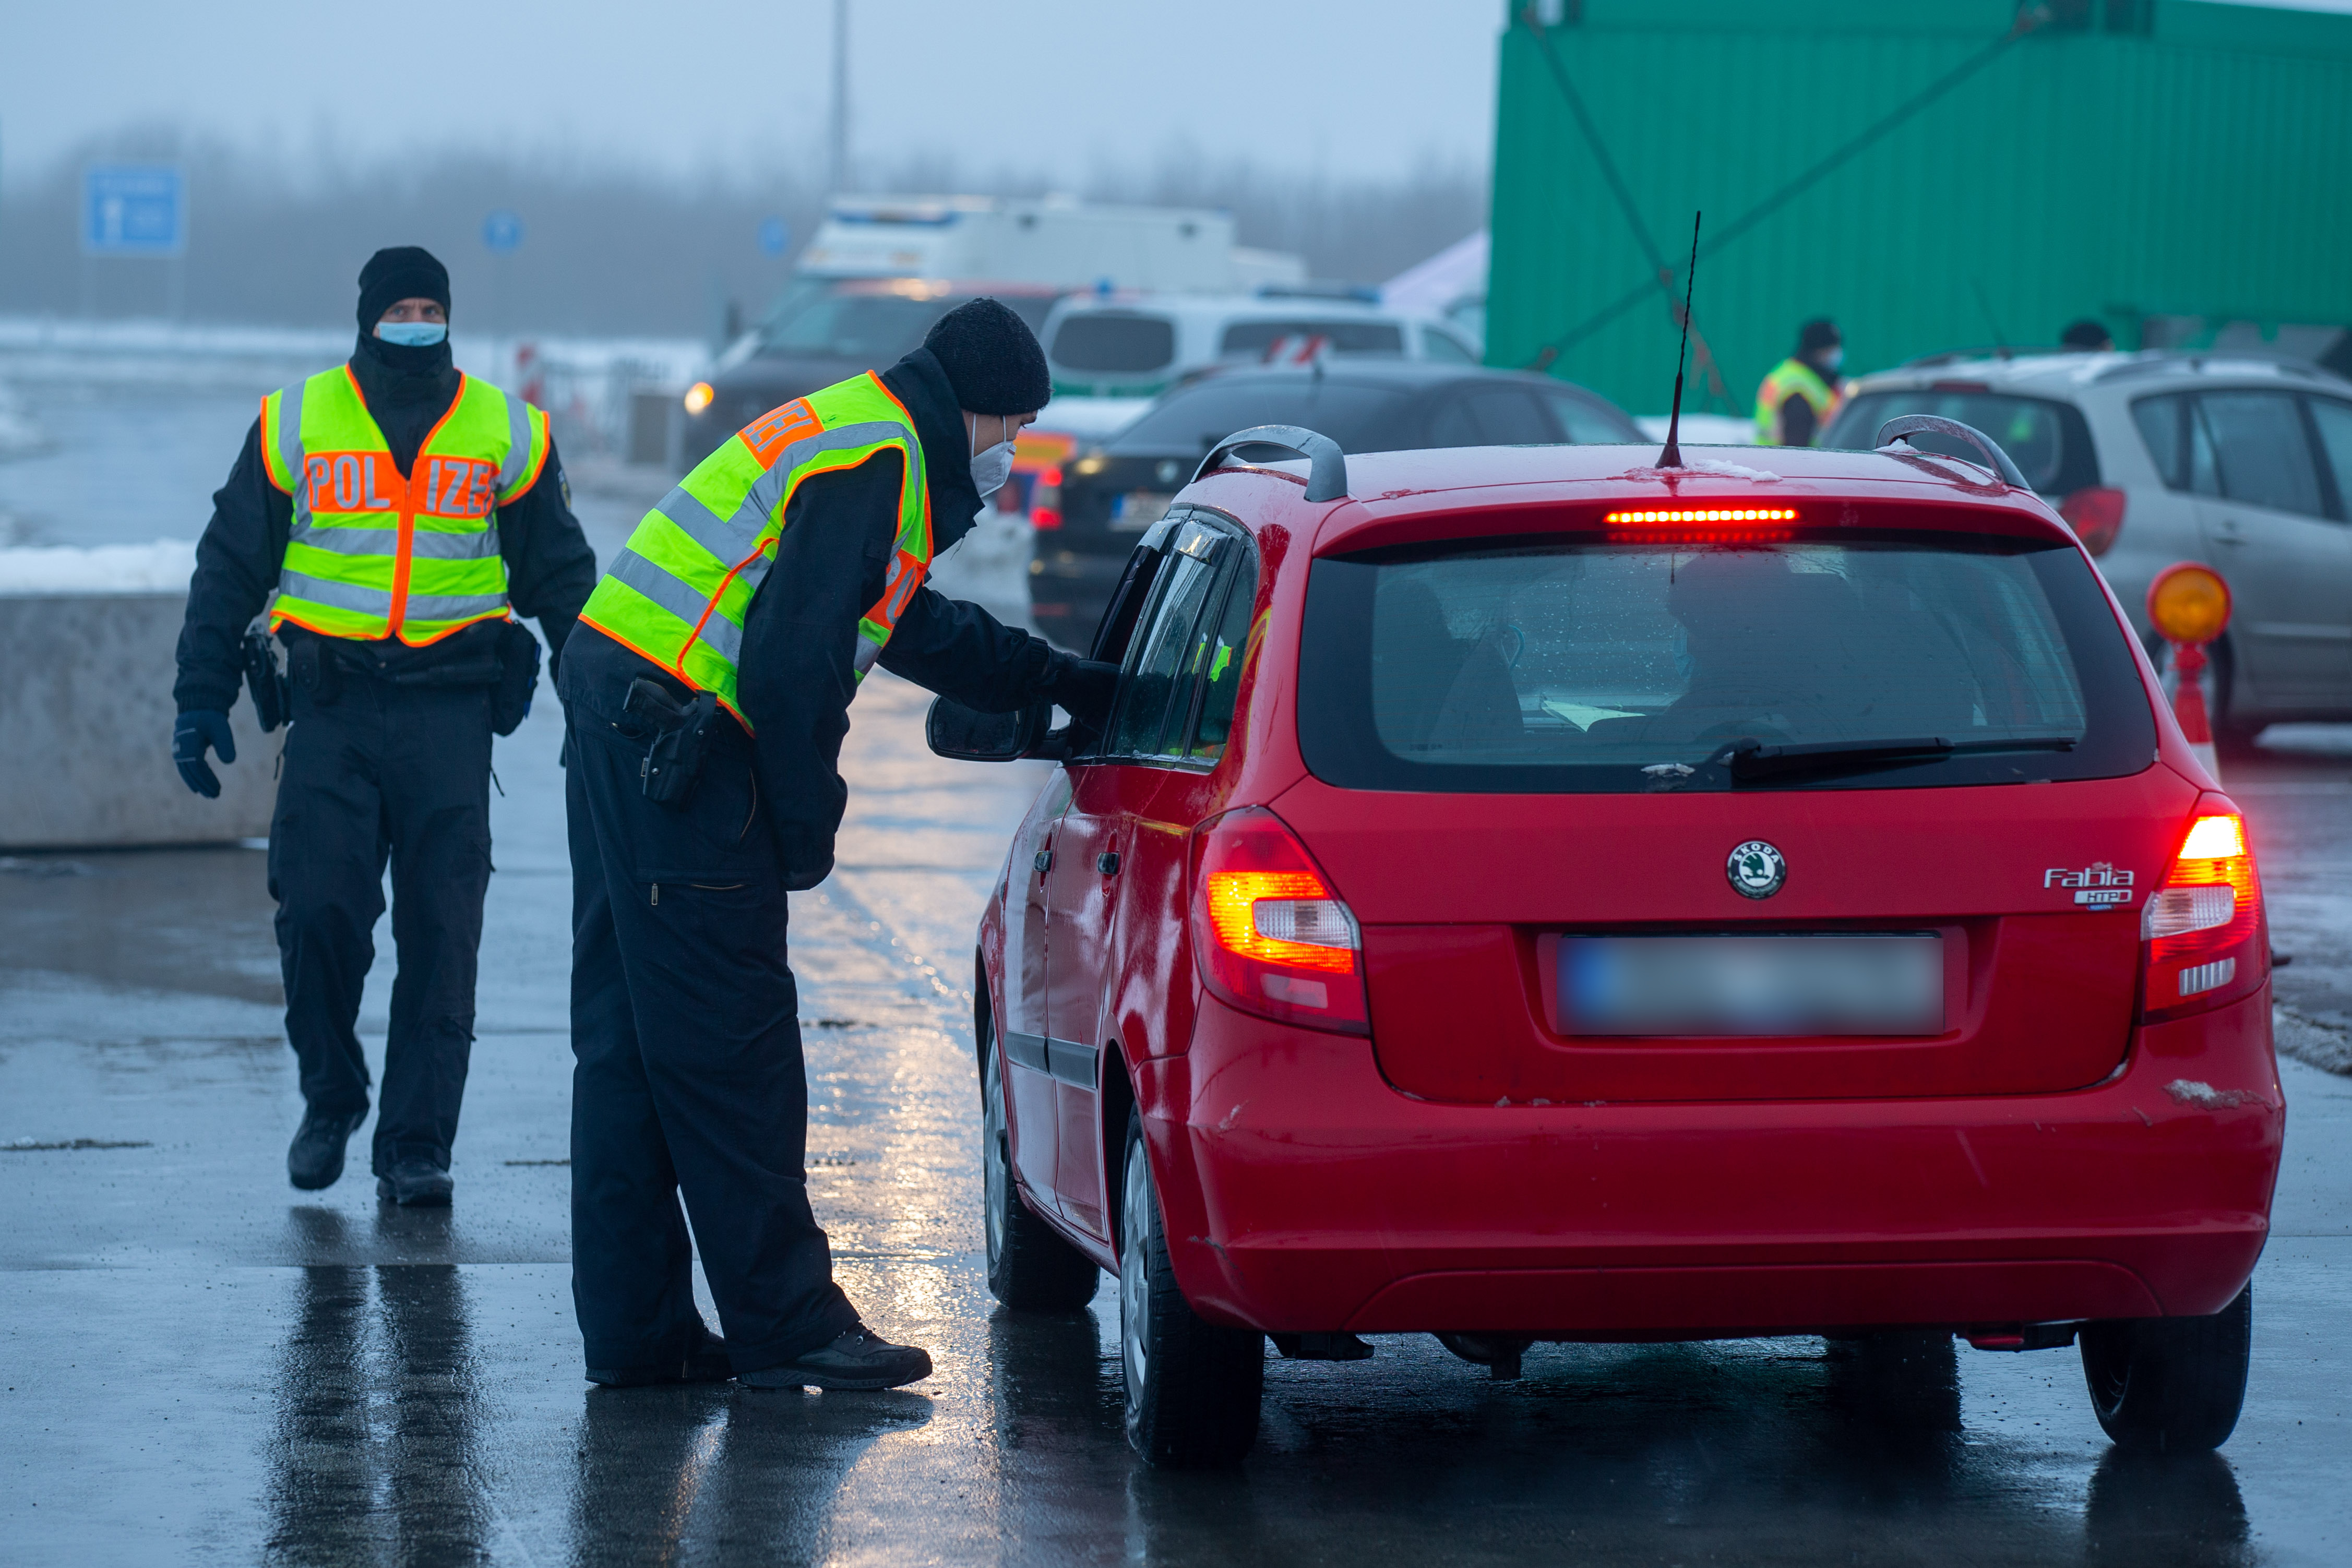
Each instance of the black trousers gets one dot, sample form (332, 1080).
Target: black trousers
(688, 1077)
(399, 776)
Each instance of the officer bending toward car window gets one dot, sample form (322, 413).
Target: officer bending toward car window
(707, 695)
(1797, 401)
(398, 510)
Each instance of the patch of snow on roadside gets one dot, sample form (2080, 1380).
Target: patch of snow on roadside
(163, 566)
(2312, 1042)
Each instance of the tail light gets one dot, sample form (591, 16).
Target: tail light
(1271, 935)
(2203, 929)
(2096, 516)
(1046, 501)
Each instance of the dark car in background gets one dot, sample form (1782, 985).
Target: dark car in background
(824, 330)
(1111, 494)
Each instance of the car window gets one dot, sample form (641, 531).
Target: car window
(2265, 461)
(1220, 654)
(1444, 348)
(1510, 416)
(1158, 676)
(873, 328)
(2160, 420)
(1609, 666)
(1346, 337)
(1582, 422)
(1106, 340)
(2049, 442)
(1191, 421)
(2334, 421)
(2204, 467)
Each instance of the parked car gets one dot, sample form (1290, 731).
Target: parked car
(1109, 495)
(2243, 464)
(1114, 347)
(824, 330)
(1523, 897)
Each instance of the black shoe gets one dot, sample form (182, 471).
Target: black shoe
(315, 1158)
(858, 1359)
(706, 1362)
(416, 1184)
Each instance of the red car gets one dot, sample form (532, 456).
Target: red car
(1527, 894)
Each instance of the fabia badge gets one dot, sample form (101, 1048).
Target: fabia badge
(1756, 870)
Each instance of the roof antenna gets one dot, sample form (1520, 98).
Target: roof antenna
(1672, 456)
(1999, 337)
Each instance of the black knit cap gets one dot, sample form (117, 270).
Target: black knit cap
(992, 359)
(1815, 335)
(396, 273)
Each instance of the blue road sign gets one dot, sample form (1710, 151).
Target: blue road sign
(502, 230)
(776, 235)
(133, 209)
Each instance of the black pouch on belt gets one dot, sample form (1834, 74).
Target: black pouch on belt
(518, 677)
(674, 757)
(273, 703)
(311, 663)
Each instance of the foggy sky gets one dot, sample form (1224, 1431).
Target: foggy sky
(1347, 87)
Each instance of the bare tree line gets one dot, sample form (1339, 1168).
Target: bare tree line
(611, 250)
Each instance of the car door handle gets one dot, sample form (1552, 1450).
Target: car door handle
(1042, 859)
(1108, 862)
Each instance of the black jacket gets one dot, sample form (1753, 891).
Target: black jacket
(550, 566)
(796, 676)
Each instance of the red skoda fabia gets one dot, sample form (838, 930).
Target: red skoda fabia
(1529, 895)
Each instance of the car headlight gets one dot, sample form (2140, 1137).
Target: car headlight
(698, 396)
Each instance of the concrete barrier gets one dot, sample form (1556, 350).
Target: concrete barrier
(86, 715)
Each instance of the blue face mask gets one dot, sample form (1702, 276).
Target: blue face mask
(411, 334)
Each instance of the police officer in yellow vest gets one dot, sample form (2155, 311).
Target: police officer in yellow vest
(392, 513)
(1803, 394)
(709, 690)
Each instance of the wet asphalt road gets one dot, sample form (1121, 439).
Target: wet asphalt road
(200, 1365)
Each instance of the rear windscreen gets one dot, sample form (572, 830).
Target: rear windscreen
(1089, 342)
(2049, 442)
(1599, 666)
(1344, 336)
(1360, 418)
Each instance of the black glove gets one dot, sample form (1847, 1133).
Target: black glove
(1084, 687)
(199, 728)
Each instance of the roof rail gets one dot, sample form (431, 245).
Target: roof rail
(1931, 424)
(1988, 351)
(2156, 361)
(1327, 474)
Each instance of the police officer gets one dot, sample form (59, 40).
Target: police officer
(708, 692)
(1802, 394)
(392, 512)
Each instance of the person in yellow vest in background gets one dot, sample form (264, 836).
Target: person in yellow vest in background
(1803, 394)
(709, 690)
(393, 514)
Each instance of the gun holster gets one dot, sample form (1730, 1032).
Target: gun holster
(680, 733)
(518, 677)
(273, 697)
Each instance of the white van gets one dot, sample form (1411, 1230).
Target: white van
(1138, 346)
(1051, 240)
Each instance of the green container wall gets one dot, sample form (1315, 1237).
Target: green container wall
(2197, 168)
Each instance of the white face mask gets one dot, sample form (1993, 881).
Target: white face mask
(1831, 359)
(991, 466)
(411, 334)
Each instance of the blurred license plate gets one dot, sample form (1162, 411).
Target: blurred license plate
(1138, 510)
(1792, 985)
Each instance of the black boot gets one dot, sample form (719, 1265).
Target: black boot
(858, 1359)
(416, 1184)
(706, 1362)
(315, 1158)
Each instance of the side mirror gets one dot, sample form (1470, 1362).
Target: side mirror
(967, 735)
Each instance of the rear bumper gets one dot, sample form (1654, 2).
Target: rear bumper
(1301, 1193)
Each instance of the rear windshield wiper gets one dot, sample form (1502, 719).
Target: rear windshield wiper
(1752, 761)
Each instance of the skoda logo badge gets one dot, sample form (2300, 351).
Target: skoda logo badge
(1756, 870)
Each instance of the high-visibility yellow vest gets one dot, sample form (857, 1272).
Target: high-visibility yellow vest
(679, 592)
(375, 555)
(1790, 377)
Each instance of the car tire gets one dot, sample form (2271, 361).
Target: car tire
(1030, 1267)
(1194, 1387)
(2170, 1384)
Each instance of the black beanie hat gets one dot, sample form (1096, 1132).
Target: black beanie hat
(992, 359)
(396, 273)
(1814, 336)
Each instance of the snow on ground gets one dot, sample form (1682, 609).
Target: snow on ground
(19, 436)
(163, 567)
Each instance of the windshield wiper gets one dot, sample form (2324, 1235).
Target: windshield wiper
(1752, 761)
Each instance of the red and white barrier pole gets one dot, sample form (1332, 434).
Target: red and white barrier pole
(2188, 604)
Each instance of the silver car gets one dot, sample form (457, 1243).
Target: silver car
(2244, 465)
